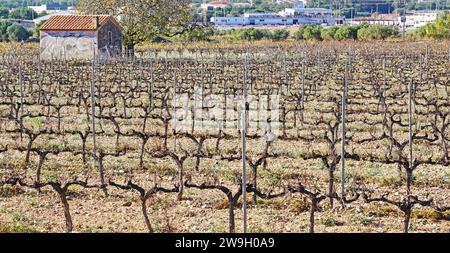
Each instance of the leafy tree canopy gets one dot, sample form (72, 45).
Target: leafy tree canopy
(4, 12)
(17, 33)
(436, 30)
(23, 13)
(3, 27)
(141, 20)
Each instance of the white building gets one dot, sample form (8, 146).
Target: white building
(376, 21)
(50, 8)
(260, 19)
(230, 21)
(308, 12)
(413, 20)
(418, 19)
(39, 8)
(290, 16)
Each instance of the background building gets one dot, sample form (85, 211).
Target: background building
(413, 19)
(289, 16)
(48, 8)
(215, 5)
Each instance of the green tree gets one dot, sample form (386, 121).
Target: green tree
(4, 12)
(17, 33)
(251, 34)
(142, 20)
(197, 34)
(23, 13)
(328, 33)
(3, 29)
(279, 34)
(442, 26)
(346, 32)
(34, 32)
(376, 32)
(298, 35)
(312, 32)
(439, 29)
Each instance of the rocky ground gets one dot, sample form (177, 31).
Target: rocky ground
(200, 211)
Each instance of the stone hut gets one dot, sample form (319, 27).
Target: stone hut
(80, 37)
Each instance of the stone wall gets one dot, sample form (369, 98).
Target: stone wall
(68, 45)
(110, 47)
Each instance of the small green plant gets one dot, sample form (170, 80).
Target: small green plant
(50, 176)
(36, 122)
(17, 228)
(360, 219)
(160, 203)
(165, 170)
(446, 178)
(330, 222)
(55, 146)
(16, 217)
(75, 188)
(269, 178)
(256, 230)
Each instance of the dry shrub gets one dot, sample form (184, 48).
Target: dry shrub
(300, 205)
(8, 191)
(429, 214)
(277, 204)
(382, 211)
(297, 205)
(158, 203)
(222, 204)
(390, 181)
(18, 227)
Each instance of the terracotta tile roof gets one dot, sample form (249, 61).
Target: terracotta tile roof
(76, 22)
(218, 3)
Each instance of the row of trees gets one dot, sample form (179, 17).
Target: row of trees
(346, 32)
(19, 13)
(313, 32)
(16, 4)
(307, 32)
(252, 34)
